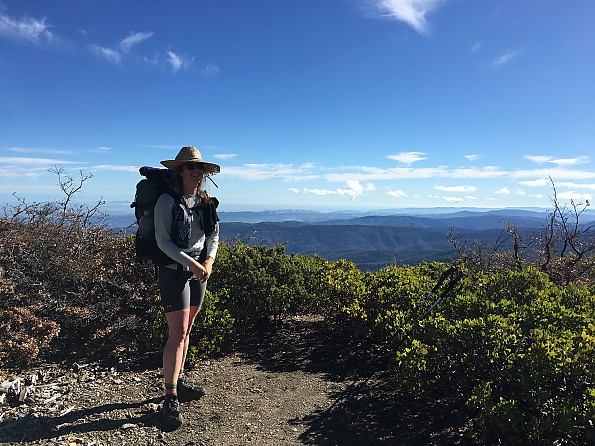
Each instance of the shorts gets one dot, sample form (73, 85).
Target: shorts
(180, 289)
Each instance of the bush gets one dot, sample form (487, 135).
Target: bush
(517, 350)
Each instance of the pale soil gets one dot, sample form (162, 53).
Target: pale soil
(297, 385)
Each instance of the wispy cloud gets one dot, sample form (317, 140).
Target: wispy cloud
(456, 188)
(134, 39)
(225, 156)
(116, 168)
(412, 12)
(110, 54)
(258, 172)
(504, 190)
(100, 149)
(211, 70)
(453, 199)
(396, 193)
(506, 58)
(542, 159)
(40, 150)
(18, 161)
(124, 51)
(408, 158)
(575, 196)
(536, 183)
(576, 185)
(177, 61)
(539, 159)
(28, 29)
(12, 173)
(353, 190)
(115, 55)
(472, 157)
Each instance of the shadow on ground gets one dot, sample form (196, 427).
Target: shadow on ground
(367, 411)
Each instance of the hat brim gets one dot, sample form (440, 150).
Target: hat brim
(210, 168)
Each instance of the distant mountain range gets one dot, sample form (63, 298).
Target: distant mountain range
(371, 240)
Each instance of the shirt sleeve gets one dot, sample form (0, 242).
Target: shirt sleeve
(212, 242)
(163, 221)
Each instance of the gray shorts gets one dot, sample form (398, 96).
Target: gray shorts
(180, 290)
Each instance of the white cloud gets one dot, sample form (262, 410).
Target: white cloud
(33, 161)
(503, 190)
(456, 188)
(539, 159)
(116, 168)
(576, 185)
(225, 156)
(453, 199)
(412, 12)
(13, 173)
(536, 183)
(210, 70)
(557, 173)
(571, 161)
(178, 61)
(571, 195)
(40, 150)
(408, 158)
(28, 29)
(294, 190)
(354, 189)
(560, 162)
(258, 172)
(134, 39)
(108, 54)
(396, 193)
(100, 149)
(506, 58)
(472, 157)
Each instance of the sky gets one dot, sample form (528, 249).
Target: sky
(327, 105)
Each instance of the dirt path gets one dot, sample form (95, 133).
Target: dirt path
(293, 386)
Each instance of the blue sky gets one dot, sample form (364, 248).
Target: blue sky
(335, 104)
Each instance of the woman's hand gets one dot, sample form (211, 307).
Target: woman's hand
(208, 266)
(198, 270)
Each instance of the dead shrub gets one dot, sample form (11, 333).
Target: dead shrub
(25, 335)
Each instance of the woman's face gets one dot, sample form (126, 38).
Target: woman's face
(192, 173)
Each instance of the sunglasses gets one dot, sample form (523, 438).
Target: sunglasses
(193, 166)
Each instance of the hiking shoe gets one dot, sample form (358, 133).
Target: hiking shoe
(171, 412)
(190, 389)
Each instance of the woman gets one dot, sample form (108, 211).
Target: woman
(185, 225)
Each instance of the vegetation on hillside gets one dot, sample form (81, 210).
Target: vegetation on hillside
(512, 346)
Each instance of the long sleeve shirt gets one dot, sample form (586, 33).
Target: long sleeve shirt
(163, 223)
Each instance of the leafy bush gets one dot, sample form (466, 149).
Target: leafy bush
(257, 284)
(517, 350)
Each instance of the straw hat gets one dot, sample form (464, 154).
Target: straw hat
(191, 154)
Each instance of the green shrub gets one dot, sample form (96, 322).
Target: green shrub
(517, 350)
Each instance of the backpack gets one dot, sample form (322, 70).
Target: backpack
(148, 190)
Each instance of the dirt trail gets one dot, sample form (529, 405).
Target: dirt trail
(297, 385)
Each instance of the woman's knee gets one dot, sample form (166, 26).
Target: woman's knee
(178, 333)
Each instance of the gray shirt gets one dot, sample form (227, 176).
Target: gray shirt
(163, 223)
